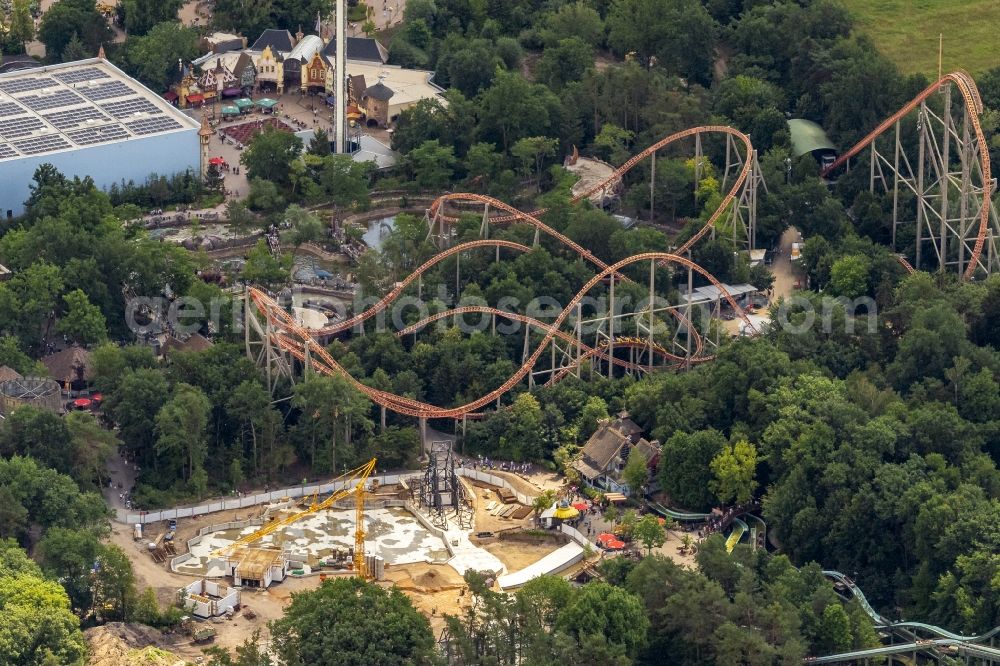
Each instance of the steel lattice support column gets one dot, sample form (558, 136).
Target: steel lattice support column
(743, 216)
(260, 340)
(943, 176)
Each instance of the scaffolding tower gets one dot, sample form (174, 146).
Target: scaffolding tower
(441, 492)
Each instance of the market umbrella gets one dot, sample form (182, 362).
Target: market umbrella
(230, 110)
(615, 545)
(566, 513)
(82, 403)
(267, 103)
(580, 506)
(217, 161)
(243, 103)
(605, 537)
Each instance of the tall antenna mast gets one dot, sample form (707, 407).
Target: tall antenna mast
(940, 53)
(340, 79)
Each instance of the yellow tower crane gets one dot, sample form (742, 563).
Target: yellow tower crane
(353, 482)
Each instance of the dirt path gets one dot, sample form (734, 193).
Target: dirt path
(784, 272)
(147, 572)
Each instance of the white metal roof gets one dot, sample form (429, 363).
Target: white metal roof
(307, 47)
(78, 104)
(712, 293)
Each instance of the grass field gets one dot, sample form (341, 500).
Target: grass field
(907, 32)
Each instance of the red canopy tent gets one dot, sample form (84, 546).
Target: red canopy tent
(82, 403)
(218, 161)
(580, 506)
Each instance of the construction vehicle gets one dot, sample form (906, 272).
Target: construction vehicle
(353, 483)
(203, 634)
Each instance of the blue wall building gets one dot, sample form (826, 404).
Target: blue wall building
(87, 118)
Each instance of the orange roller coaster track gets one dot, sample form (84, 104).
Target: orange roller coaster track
(514, 215)
(298, 342)
(974, 108)
(586, 350)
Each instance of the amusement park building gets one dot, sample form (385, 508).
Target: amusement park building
(87, 118)
(280, 62)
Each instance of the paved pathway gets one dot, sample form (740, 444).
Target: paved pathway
(122, 475)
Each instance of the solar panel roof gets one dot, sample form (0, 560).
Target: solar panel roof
(81, 74)
(71, 105)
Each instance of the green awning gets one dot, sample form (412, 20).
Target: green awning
(807, 137)
(244, 102)
(230, 110)
(266, 103)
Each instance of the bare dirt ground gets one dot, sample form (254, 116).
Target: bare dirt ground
(485, 522)
(517, 555)
(435, 589)
(671, 549)
(533, 482)
(118, 644)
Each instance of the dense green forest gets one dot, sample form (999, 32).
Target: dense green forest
(876, 448)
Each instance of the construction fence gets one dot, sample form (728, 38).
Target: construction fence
(294, 492)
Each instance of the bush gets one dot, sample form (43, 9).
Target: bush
(358, 13)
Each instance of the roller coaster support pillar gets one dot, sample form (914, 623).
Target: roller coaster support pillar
(871, 171)
(965, 191)
(246, 322)
(922, 122)
(381, 420)
(697, 163)
(458, 275)
(307, 360)
(756, 178)
(484, 227)
(895, 186)
(424, 444)
(652, 183)
(944, 167)
(652, 308)
(611, 328)
(687, 316)
(579, 337)
(525, 354)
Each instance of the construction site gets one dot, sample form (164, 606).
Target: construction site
(420, 531)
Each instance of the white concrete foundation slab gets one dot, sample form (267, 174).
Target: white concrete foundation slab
(393, 532)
